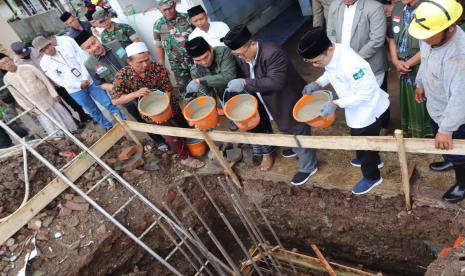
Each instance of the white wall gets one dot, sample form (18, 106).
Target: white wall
(8, 35)
(5, 11)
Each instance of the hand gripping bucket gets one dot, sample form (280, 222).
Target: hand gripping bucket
(243, 111)
(306, 109)
(202, 113)
(155, 107)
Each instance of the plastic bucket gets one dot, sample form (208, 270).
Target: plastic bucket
(155, 108)
(202, 113)
(306, 109)
(196, 147)
(243, 111)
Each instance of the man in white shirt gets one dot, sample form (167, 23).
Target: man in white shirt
(64, 64)
(361, 25)
(359, 94)
(211, 31)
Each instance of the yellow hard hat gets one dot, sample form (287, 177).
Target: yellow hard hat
(434, 16)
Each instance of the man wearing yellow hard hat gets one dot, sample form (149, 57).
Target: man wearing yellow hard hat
(441, 80)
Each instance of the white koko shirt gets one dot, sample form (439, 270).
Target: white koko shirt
(216, 31)
(355, 85)
(59, 67)
(349, 14)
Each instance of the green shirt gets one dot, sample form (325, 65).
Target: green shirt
(103, 69)
(121, 33)
(215, 78)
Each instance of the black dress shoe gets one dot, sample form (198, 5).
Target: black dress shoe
(441, 166)
(455, 194)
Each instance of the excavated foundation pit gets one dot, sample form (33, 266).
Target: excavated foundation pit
(369, 230)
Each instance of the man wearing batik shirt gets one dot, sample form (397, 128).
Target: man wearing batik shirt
(123, 33)
(171, 33)
(139, 79)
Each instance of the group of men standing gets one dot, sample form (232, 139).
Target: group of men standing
(423, 39)
(111, 65)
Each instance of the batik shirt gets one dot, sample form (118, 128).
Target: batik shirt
(121, 33)
(127, 80)
(172, 36)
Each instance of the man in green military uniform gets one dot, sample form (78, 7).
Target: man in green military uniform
(123, 33)
(213, 69)
(104, 62)
(170, 34)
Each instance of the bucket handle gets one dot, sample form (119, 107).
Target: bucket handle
(205, 94)
(330, 94)
(224, 94)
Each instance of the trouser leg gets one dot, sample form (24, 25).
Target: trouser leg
(102, 97)
(307, 157)
(386, 116)
(83, 98)
(5, 140)
(263, 127)
(72, 103)
(369, 159)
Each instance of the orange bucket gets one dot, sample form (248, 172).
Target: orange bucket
(243, 111)
(196, 147)
(306, 109)
(202, 113)
(155, 108)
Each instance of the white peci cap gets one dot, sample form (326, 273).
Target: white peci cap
(136, 48)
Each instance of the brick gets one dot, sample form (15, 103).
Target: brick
(111, 161)
(130, 166)
(127, 152)
(64, 211)
(78, 199)
(75, 206)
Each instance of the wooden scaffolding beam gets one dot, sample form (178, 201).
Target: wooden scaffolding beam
(22, 216)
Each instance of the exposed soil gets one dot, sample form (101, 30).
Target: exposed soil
(371, 230)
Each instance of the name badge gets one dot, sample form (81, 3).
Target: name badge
(76, 72)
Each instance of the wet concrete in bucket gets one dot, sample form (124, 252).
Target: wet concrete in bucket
(310, 110)
(154, 105)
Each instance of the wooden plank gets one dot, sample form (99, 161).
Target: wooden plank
(403, 167)
(323, 260)
(227, 168)
(128, 131)
(21, 216)
(375, 143)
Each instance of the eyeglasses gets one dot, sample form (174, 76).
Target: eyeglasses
(243, 52)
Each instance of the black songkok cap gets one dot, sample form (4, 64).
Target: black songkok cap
(237, 37)
(313, 43)
(82, 37)
(197, 46)
(65, 16)
(195, 11)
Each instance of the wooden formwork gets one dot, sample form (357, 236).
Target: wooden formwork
(303, 264)
(376, 143)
